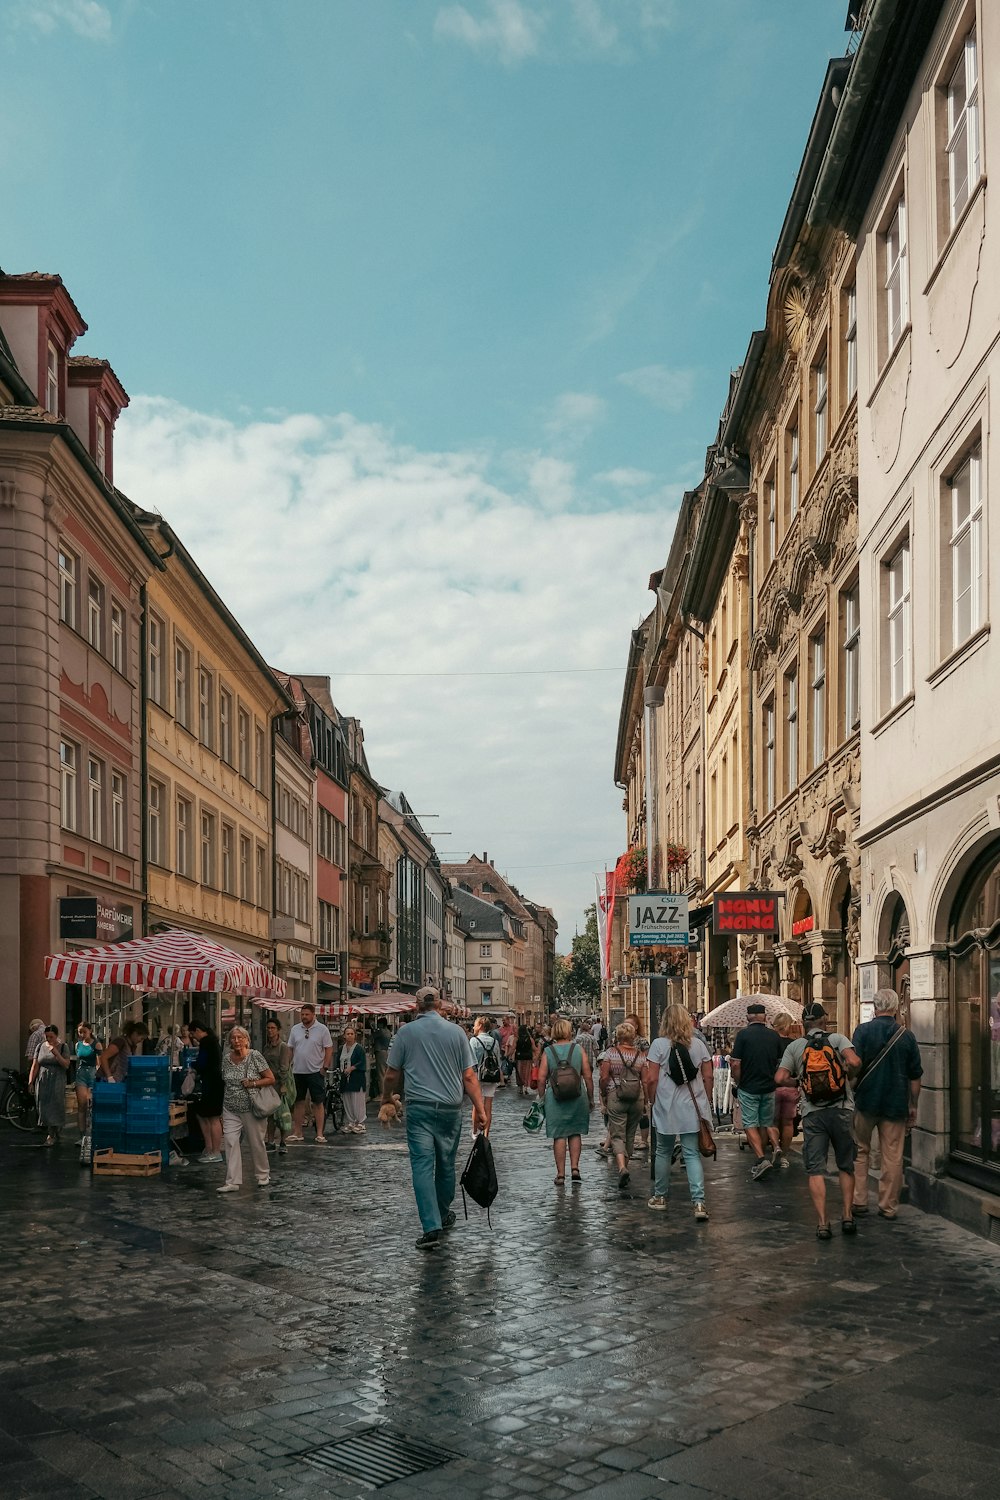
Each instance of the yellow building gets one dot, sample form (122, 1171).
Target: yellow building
(210, 702)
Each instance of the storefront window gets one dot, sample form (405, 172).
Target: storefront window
(975, 1030)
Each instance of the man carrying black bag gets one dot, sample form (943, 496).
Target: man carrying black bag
(479, 1179)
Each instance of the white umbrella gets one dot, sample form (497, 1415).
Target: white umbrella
(733, 1013)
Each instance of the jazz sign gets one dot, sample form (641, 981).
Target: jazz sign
(658, 919)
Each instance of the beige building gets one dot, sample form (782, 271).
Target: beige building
(455, 966)
(794, 413)
(295, 907)
(210, 702)
(531, 956)
(489, 954)
(912, 182)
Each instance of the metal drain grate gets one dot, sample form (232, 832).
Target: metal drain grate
(377, 1456)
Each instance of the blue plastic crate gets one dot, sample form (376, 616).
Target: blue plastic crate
(138, 1143)
(155, 1064)
(108, 1094)
(157, 1090)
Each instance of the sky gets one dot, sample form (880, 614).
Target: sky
(427, 312)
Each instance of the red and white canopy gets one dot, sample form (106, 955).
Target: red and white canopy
(173, 960)
(369, 1005)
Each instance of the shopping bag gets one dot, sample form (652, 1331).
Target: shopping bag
(534, 1120)
(479, 1179)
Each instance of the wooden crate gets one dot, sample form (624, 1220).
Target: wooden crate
(110, 1163)
(178, 1112)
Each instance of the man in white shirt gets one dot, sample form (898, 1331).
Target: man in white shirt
(312, 1053)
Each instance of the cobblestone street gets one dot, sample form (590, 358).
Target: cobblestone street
(161, 1341)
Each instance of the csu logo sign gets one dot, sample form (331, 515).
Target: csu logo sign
(658, 919)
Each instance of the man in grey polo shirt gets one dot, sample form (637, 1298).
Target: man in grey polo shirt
(433, 1060)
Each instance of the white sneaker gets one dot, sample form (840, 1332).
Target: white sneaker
(360, 1129)
(228, 1187)
(701, 1213)
(212, 1156)
(263, 1182)
(657, 1202)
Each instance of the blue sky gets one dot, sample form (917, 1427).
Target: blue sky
(427, 311)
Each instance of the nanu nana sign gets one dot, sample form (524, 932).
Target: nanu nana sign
(745, 911)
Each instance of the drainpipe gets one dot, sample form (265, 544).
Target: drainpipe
(652, 698)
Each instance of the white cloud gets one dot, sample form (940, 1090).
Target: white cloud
(574, 416)
(594, 28)
(657, 15)
(625, 479)
(670, 390)
(341, 551)
(508, 29)
(86, 17)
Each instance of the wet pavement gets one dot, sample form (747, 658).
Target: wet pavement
(162, 1341)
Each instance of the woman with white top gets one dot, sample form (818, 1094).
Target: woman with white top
(487, 1059)
(243, 1071)
(678, 1082)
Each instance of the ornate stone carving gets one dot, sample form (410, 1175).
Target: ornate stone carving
(8, 494)
(797, 319)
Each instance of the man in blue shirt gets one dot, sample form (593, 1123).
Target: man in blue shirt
(885, 1099)
(433, 1060)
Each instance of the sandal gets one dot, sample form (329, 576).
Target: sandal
(824, 1232)
(848, 1226)
(575, 1177)
(559, 1181)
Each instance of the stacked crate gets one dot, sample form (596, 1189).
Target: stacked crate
(133, 1118)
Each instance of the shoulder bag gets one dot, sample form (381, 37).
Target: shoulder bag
(706, 1140)
(265, 1100)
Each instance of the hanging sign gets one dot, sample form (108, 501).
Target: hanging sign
(93, 917)
(745, 911)
(658, 919)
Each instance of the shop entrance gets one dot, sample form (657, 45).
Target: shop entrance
(975, 1016)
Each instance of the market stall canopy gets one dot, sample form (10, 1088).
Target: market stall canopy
(733, 1013)
(371, 1005)
(172, 960)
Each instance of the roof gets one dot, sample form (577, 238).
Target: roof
(479, 917)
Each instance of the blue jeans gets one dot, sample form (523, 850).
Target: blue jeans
(433, 1132)
(692, 1165)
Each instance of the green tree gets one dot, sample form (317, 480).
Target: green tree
(578, 974)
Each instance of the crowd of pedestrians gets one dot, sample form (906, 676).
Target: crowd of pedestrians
(775, 1077)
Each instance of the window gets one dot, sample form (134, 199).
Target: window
(897, 291)
(185, 814)
(154, 665)
(95, 797)
(226, 725)
(820, 397)
(486, 997)
(485, 950)
(102, 445)
(52, 379)
(208, 848)
(792, 440)
(260, 758)
(965, 496)
(486, 972)
(205, 707)
(769, 756)
(263, 888)
(118, 638)
(118, 812)
(791, 730)
(243, 742)
(770, 521)
(817, 695)
(68, 572)
(228, 860)
(68, 784)
(182, 685)
(154, 824)
(898, 623)
(963, 129)
(366, 909)
(244, 867)
(851, 341)
(329, 927)
(95, 613)
(851, 617)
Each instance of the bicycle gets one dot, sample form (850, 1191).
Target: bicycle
(335, 1113)
(17, 1103)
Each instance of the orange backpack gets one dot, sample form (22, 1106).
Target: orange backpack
(824, 1080)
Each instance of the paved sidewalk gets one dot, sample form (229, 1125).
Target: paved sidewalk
(162, 1341)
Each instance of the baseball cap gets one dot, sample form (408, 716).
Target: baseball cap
(814, 1013)
(756, 1009)
(427, 992)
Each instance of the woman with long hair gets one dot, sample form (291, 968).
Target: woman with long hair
(353, 1082)
(622, 1095)
(487, 1059)
(48, 1071)
(278, 1056)
(524, 1052)
(87, 1050)
(567, 1119)
(678, 1081)
(211, 1089)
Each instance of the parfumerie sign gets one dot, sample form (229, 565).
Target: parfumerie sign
(745, 911)
(92, 917)
(658, 919)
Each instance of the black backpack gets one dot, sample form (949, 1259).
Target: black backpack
(479, 1179)
(489, 1064)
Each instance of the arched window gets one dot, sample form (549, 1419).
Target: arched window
(975, 1015)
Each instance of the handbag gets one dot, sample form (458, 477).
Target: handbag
(706, 1140)
(479, 1178)
(264, 1101)
(534, 1120)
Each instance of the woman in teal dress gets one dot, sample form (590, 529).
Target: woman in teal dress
(565, 1119)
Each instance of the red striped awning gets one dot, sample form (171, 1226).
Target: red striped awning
(173, 960)
(370, 1005)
